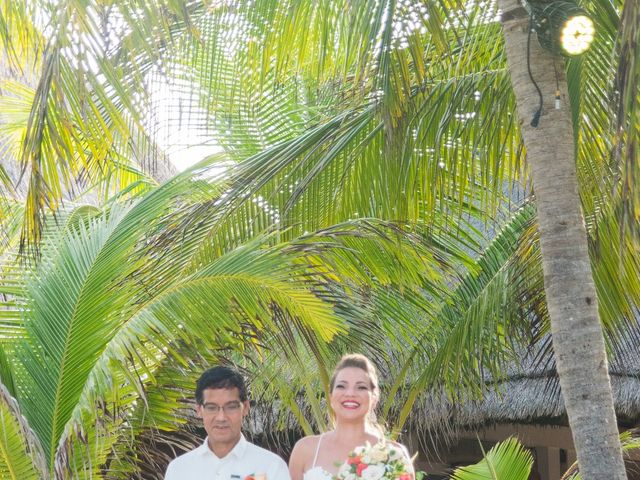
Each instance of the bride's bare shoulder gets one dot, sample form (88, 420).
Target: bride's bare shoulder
(399, 446)
(307, 444)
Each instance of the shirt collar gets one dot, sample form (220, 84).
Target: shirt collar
(240, 447)
(237, 451)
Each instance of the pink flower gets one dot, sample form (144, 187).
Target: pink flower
(354, 460)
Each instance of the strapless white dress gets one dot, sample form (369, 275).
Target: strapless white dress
(317, 472)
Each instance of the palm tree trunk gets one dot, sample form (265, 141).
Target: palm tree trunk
(578, 341)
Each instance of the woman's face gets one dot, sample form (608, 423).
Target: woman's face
(352, 397)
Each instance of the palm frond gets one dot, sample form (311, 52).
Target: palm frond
(508, 460)
(628, 113)
(322, 152)
(377, 266)
(20, 454)
(85, 120)
(486, 314)
(6, 374)
(67, 324)
(72, 339)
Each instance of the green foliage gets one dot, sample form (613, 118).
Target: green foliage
(106, 324)
(364, 144)
(91, 322)
(19, 453)
(507, 460)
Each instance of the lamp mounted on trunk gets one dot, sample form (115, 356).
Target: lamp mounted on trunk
(562, 26)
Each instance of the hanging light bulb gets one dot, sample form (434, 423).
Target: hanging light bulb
(562, 26)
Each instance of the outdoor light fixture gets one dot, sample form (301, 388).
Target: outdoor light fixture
(562, 26)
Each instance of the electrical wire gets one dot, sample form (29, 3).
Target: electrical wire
(536, 116)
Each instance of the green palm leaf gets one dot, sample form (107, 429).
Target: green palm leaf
(20, 454)
(628, 113)
(74, 307)
(85, 115)
(88, 307)
(507, 460)
(477, 329)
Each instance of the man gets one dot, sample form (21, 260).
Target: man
(222, 403)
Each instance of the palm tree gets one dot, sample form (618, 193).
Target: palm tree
(570, 291)
(336, 111)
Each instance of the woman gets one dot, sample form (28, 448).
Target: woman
(353, 396)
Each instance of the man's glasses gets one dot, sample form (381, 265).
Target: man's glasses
(228, 409)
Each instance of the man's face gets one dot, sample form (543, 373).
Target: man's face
(222, 413)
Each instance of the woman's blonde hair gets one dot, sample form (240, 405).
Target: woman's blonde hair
(356, 360)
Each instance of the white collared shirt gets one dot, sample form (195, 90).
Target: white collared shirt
(243, 460)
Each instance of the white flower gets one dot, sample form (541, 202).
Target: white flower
(361, 449)
(373, 472)
(395, 453)
(378, 454)
(344, 469)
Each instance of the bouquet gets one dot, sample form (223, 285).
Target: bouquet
(382, 461)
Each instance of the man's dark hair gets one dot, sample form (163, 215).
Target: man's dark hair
(220, 377)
